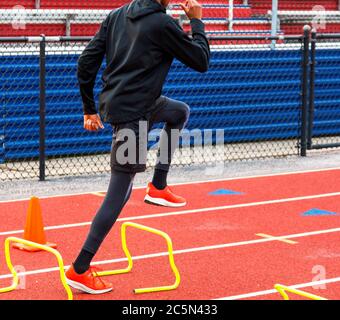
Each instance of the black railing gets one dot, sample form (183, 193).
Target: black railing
(326, 141)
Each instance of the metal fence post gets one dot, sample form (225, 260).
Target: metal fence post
(42, 108)
(311, 90)
(275, 8)
(304, 90)
(231, 15)
(68, 23)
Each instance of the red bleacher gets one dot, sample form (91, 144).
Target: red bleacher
(296, 28)
(260, 7)
(35, 30)
(65, 4)
(92, 4)
(29, 4)
(247, 18)
(222, 12)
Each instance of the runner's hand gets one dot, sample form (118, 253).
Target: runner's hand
(92, 122)
(192, 9)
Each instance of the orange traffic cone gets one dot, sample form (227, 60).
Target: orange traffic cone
(34, 228)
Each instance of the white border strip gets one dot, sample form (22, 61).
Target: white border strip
(187, 183)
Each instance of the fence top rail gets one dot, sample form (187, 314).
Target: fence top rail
(328, 36)
(88, 38)
(47, 39)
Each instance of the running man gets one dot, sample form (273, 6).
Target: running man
(140, 42)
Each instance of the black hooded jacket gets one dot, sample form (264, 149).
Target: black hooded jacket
(140, 42)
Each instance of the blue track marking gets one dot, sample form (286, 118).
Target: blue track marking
(318, 212)
(221, 192)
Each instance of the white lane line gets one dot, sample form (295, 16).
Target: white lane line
(188, 183)
(184, 212)
(271, 291)
(189, 250)
(264, 235)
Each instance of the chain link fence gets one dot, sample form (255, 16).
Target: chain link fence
(258, 99)
(19, 107)
(246, 107)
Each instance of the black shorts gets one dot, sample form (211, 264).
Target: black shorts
(129, 145)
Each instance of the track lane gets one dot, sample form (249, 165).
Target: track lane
(195, 230)
(239, 269)
(81, 208)
(201, 229)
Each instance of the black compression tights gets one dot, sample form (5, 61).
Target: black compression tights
(175, 115)
(118, 194)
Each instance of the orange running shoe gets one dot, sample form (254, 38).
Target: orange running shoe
(163, 197)
(88, 281)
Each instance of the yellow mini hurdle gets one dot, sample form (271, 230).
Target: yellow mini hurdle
(284, 289)
(15, 281)
(130, 261)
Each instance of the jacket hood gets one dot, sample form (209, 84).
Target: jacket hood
(142, 8)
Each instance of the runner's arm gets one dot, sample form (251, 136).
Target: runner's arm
(89, 64)
(195, 52)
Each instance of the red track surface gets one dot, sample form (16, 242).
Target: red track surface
(244, 263)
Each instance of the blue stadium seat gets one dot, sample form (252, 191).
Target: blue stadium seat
(251, 95)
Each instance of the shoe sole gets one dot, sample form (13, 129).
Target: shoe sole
(162, 202)
(81, 287)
